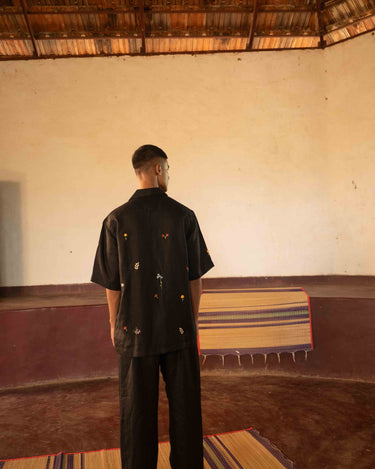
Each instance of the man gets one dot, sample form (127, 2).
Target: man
(150, 258)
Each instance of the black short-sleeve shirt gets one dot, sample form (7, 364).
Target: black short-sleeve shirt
(149, 249)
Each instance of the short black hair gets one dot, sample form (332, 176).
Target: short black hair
(145, 154)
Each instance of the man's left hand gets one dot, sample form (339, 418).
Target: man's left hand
(113, 335)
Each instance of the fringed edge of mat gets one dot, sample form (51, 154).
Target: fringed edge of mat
(238, 354)
(273, 449)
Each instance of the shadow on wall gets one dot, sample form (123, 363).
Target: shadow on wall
(11, 267)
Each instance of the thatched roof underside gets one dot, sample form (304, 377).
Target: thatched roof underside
(71, 28)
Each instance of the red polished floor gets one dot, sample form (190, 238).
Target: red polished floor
(317, 423)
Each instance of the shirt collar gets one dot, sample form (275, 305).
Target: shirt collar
(147, 191)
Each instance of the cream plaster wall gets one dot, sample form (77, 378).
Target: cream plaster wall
(350, 71)
(256, 149)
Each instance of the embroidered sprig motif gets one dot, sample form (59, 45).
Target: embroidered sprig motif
(181, 330)
(160, 277)
(136, 265)
(137, 331)
(156, 296)
(165, 235)
(126, 236)
(182, 297)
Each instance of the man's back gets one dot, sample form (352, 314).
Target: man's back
(157, 245)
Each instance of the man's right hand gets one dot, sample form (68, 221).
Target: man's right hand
(195, 291)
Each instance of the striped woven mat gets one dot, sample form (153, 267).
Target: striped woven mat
(244, 449)
(255, 320)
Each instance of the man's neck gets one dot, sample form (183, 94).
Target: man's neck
(147, 184)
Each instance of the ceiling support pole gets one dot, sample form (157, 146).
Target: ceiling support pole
(35, 52)
(250, 39)
(322, 43)
(143, 28)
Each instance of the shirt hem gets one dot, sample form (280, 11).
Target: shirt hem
(162, 350)
(106, 285)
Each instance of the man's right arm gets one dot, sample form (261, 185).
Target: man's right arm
(195, 291)
(113, 299)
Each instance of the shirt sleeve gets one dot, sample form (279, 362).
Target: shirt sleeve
(106, 264)
(199, 258)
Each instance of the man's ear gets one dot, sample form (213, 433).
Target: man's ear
(158, 168)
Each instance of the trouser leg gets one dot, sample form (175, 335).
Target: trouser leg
(139, 393)
(181, 374)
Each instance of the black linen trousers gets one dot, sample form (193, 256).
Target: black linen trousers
(139, 396)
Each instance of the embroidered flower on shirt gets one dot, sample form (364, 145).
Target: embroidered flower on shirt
(137, 331)
(181, 330)
(182, 297)
(126, 236)
(156, 296)
(125, 329)
(165, 235)
(136, 265)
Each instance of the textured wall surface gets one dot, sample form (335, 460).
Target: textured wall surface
(274, 152)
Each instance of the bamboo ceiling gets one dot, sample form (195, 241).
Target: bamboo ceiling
(71, 28)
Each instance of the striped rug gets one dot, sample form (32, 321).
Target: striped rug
(244, 449)
(255, 320)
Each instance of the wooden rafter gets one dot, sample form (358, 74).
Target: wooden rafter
(347, 25)
(332, 3)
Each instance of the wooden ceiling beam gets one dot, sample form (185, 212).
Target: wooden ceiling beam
(156, 35)
(250, 39)
(24, 9)
(61, 10)
(189, 52)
